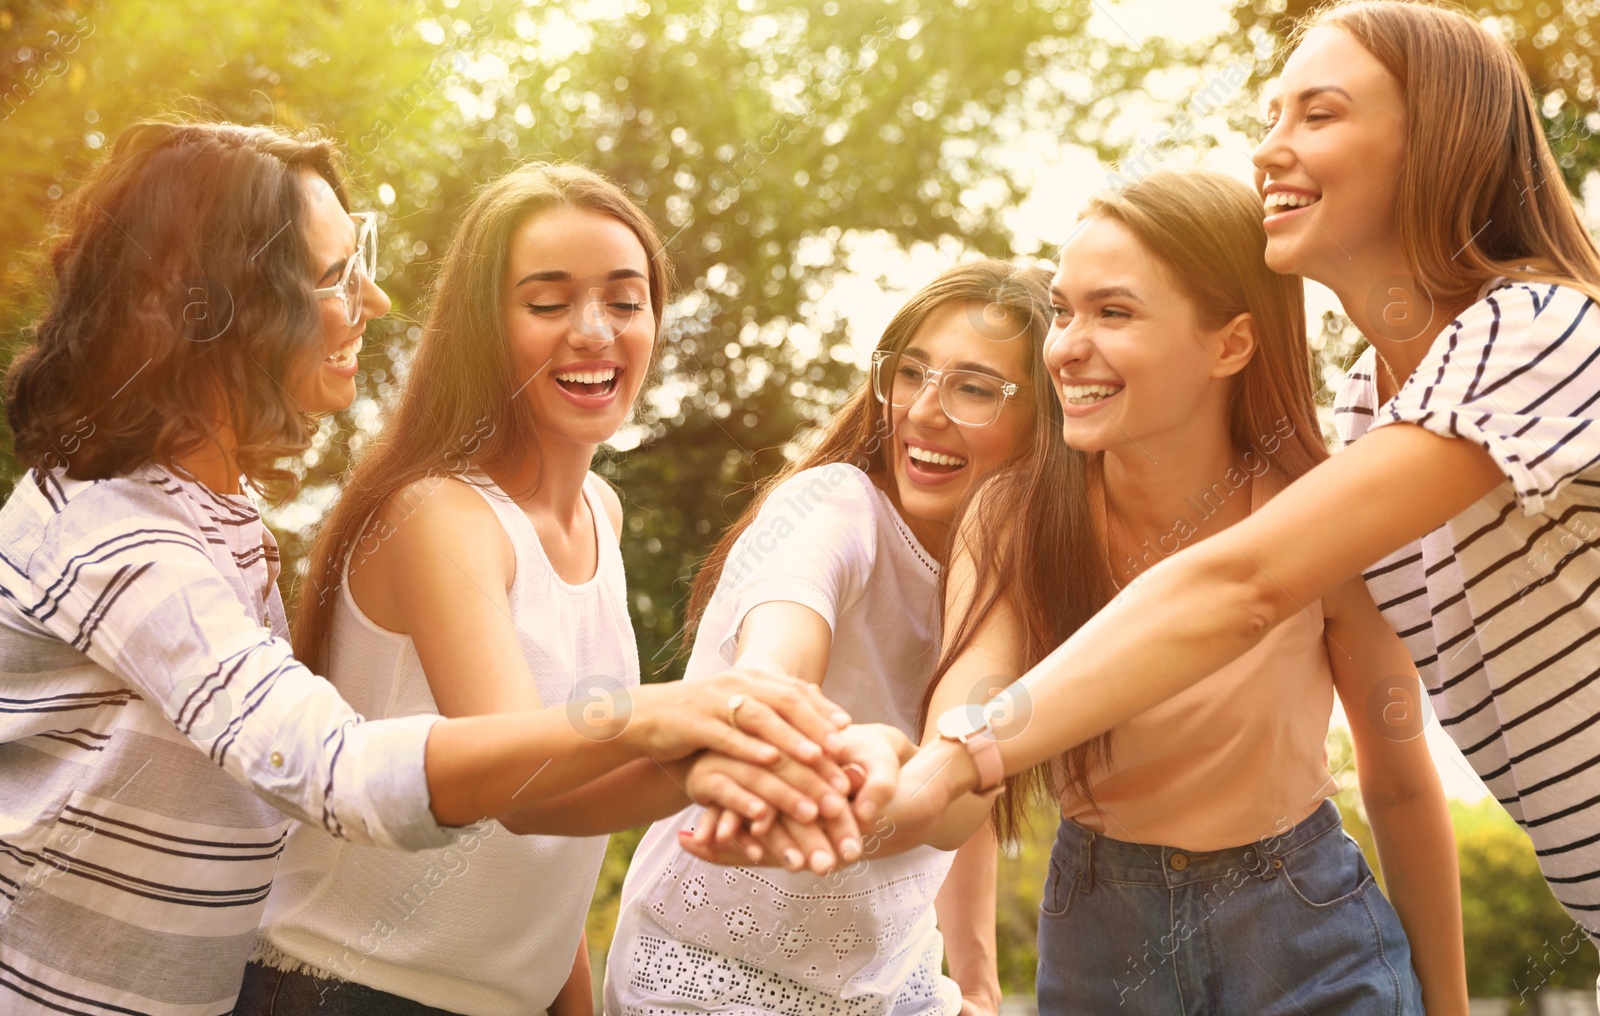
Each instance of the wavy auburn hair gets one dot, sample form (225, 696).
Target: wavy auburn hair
(182, 294)
(1480, 192)
(459, 409)
(1035, 538)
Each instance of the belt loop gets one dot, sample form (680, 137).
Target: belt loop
(1088, 863)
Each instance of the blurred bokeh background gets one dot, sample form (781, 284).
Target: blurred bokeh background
(813, 161)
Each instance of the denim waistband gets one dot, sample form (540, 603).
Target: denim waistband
(1100, 857)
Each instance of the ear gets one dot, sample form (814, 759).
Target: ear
(1236, 345)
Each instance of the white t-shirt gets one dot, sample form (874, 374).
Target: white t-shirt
(694, 937)
(1499, 607)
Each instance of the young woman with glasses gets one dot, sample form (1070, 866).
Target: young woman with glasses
(211, 293)
(832, 575)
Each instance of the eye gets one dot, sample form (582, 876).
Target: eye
(546, 308)
(1114, 312)
(908, 371)
(979, 390)
(631, 307)
(1061, 314)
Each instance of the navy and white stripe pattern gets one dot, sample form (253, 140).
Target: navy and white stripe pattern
(1501, 607)
(156, 737)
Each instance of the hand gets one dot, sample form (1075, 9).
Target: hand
(779, 716)
(760, 794)
(970, 1007)
(940, 772)
(874, 753)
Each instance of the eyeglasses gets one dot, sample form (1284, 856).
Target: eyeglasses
(362, 264)
(968, 397)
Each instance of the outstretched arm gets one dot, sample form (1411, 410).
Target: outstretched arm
(1208, 604)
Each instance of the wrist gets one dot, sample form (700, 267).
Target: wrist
(957, 769)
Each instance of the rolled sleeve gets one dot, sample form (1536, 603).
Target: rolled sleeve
(1518, 374)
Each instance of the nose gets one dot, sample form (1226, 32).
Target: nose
(1272, 154)
(925, 410)
(593, 323)
(1066, 346)
(375, 303)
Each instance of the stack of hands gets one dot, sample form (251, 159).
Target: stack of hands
(787, 780)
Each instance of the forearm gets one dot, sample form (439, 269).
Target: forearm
(966, 909)
(488, 766)
(636, 794)
(1182, 620)
(576, 997)
(1417, 851)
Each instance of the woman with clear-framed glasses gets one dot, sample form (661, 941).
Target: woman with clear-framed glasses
(833, 574)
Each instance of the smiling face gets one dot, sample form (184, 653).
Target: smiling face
(1329, 166)
(934, 460)
(329, 385)
(579, 320)
(1132, 366)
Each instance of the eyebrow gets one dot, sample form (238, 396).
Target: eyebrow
(1307, 94)
(558, 275)
(971, 365)
(334, 270)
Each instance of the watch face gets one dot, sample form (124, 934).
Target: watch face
(961, 722)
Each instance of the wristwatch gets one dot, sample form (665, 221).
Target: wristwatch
(966, 726)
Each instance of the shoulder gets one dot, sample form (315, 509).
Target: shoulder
(431, 514)
(836, 483)
(51, 512)
(1530, 306)
(611, 499)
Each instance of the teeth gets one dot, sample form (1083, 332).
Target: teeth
(346, 356)
(1083, 395)
(936, 458)
(1282, 199)
(587, 377)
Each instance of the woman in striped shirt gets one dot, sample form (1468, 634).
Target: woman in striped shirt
(1404, 168)
(156, 732)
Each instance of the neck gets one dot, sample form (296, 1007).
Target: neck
(549, 479)
(1162, 499)
(1394, 312)
(214, 463)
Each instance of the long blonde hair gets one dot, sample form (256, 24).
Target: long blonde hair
(458, 408)
(1480, 192)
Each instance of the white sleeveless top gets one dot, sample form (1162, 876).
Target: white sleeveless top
(491, 925)
(694, 937)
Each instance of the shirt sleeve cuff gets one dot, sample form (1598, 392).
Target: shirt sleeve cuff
(777, 588)
(1455, 424)
(400, 812)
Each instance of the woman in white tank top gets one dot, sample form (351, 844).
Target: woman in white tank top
(833, 575)
(472, 567)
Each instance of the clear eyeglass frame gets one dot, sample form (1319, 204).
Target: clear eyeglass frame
(363, 263)
(946, 382)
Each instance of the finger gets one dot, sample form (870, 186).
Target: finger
(758, 719)
(781, 846)
(796, 703)
(716, 735)
(813, 844)
(844, 836)
(687, 841)
(727, 825)
(706, 826)
(809, 781)
(751, 845)
(722, 789)
(880, 775)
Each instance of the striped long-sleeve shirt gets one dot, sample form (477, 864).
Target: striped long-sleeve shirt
(156, 737)
(1500, 607)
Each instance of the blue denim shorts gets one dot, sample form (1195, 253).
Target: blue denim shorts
(270, 992)
(1291, 925)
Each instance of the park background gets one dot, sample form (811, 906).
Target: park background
(813, 162)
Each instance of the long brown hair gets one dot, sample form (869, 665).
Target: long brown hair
(1047, 562)
(858, 432)
(181, 292)
(458, 409)
(1480, 192)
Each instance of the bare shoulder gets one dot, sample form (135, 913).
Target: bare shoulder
(613, 502)
(430, 516)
